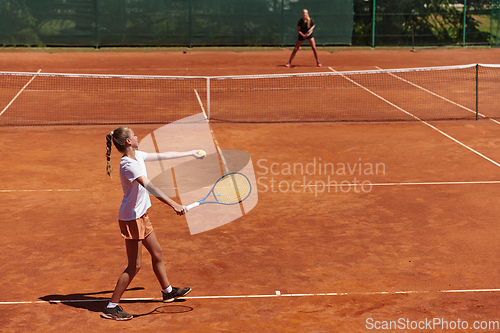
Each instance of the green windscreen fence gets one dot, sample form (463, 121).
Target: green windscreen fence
(171, 22)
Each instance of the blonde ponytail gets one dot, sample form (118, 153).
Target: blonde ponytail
(109, 168)
(119, 137)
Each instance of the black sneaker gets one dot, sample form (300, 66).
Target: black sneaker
(175, 294)
(116, 313)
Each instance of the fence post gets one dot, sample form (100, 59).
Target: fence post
(282, 22)
(498, 23)
(96, 33)
(465, 20)
(491, 22)
(190, 23)
(373, 24)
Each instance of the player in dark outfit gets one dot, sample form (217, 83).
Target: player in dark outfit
(303, 26)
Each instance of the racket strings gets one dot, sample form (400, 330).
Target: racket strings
(232, 188)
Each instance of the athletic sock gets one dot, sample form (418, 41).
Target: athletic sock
(112, 305)
(167, 290)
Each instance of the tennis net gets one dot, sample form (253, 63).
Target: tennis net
(433, 93)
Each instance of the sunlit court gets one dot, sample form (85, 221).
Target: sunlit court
(374, 189)
(249, 166)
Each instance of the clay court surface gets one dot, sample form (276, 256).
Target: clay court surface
(421, 243)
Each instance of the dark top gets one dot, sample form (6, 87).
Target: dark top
(304, 29)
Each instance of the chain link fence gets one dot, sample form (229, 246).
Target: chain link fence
(425, 22)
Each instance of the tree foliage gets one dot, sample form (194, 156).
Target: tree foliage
(428, 22)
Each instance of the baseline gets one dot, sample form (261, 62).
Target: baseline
(277, 294)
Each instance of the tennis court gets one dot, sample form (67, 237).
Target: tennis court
(357, 223)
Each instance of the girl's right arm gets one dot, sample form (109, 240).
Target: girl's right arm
(300, 32)
(148, 185)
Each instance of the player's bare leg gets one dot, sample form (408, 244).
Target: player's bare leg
(297, 46)
(153, 246)
(315, 51)
(134, 265)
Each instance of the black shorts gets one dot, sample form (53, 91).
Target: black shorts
(302, 38)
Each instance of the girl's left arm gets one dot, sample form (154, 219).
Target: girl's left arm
(172, 154)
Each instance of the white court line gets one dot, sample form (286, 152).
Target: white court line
(439, 96)
(55, 190)
(277, 294)
(201, 104)
(438, 183)
(217, 146)
(19, 93)
(226, 169)
(483, 182)
(423, 122)
(394, 184)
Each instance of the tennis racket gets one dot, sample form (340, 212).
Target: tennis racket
(311, 29)
(230, 189)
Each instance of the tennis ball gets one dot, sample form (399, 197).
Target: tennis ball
(202, 152)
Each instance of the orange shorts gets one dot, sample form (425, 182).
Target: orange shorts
(137, 229)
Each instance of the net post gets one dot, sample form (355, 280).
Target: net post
(208, 98)
(477, 91)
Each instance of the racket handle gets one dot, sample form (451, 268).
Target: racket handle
(191, 206)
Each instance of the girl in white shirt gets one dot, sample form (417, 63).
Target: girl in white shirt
(133, 218)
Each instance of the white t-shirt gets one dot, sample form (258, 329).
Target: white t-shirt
(136, 199)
